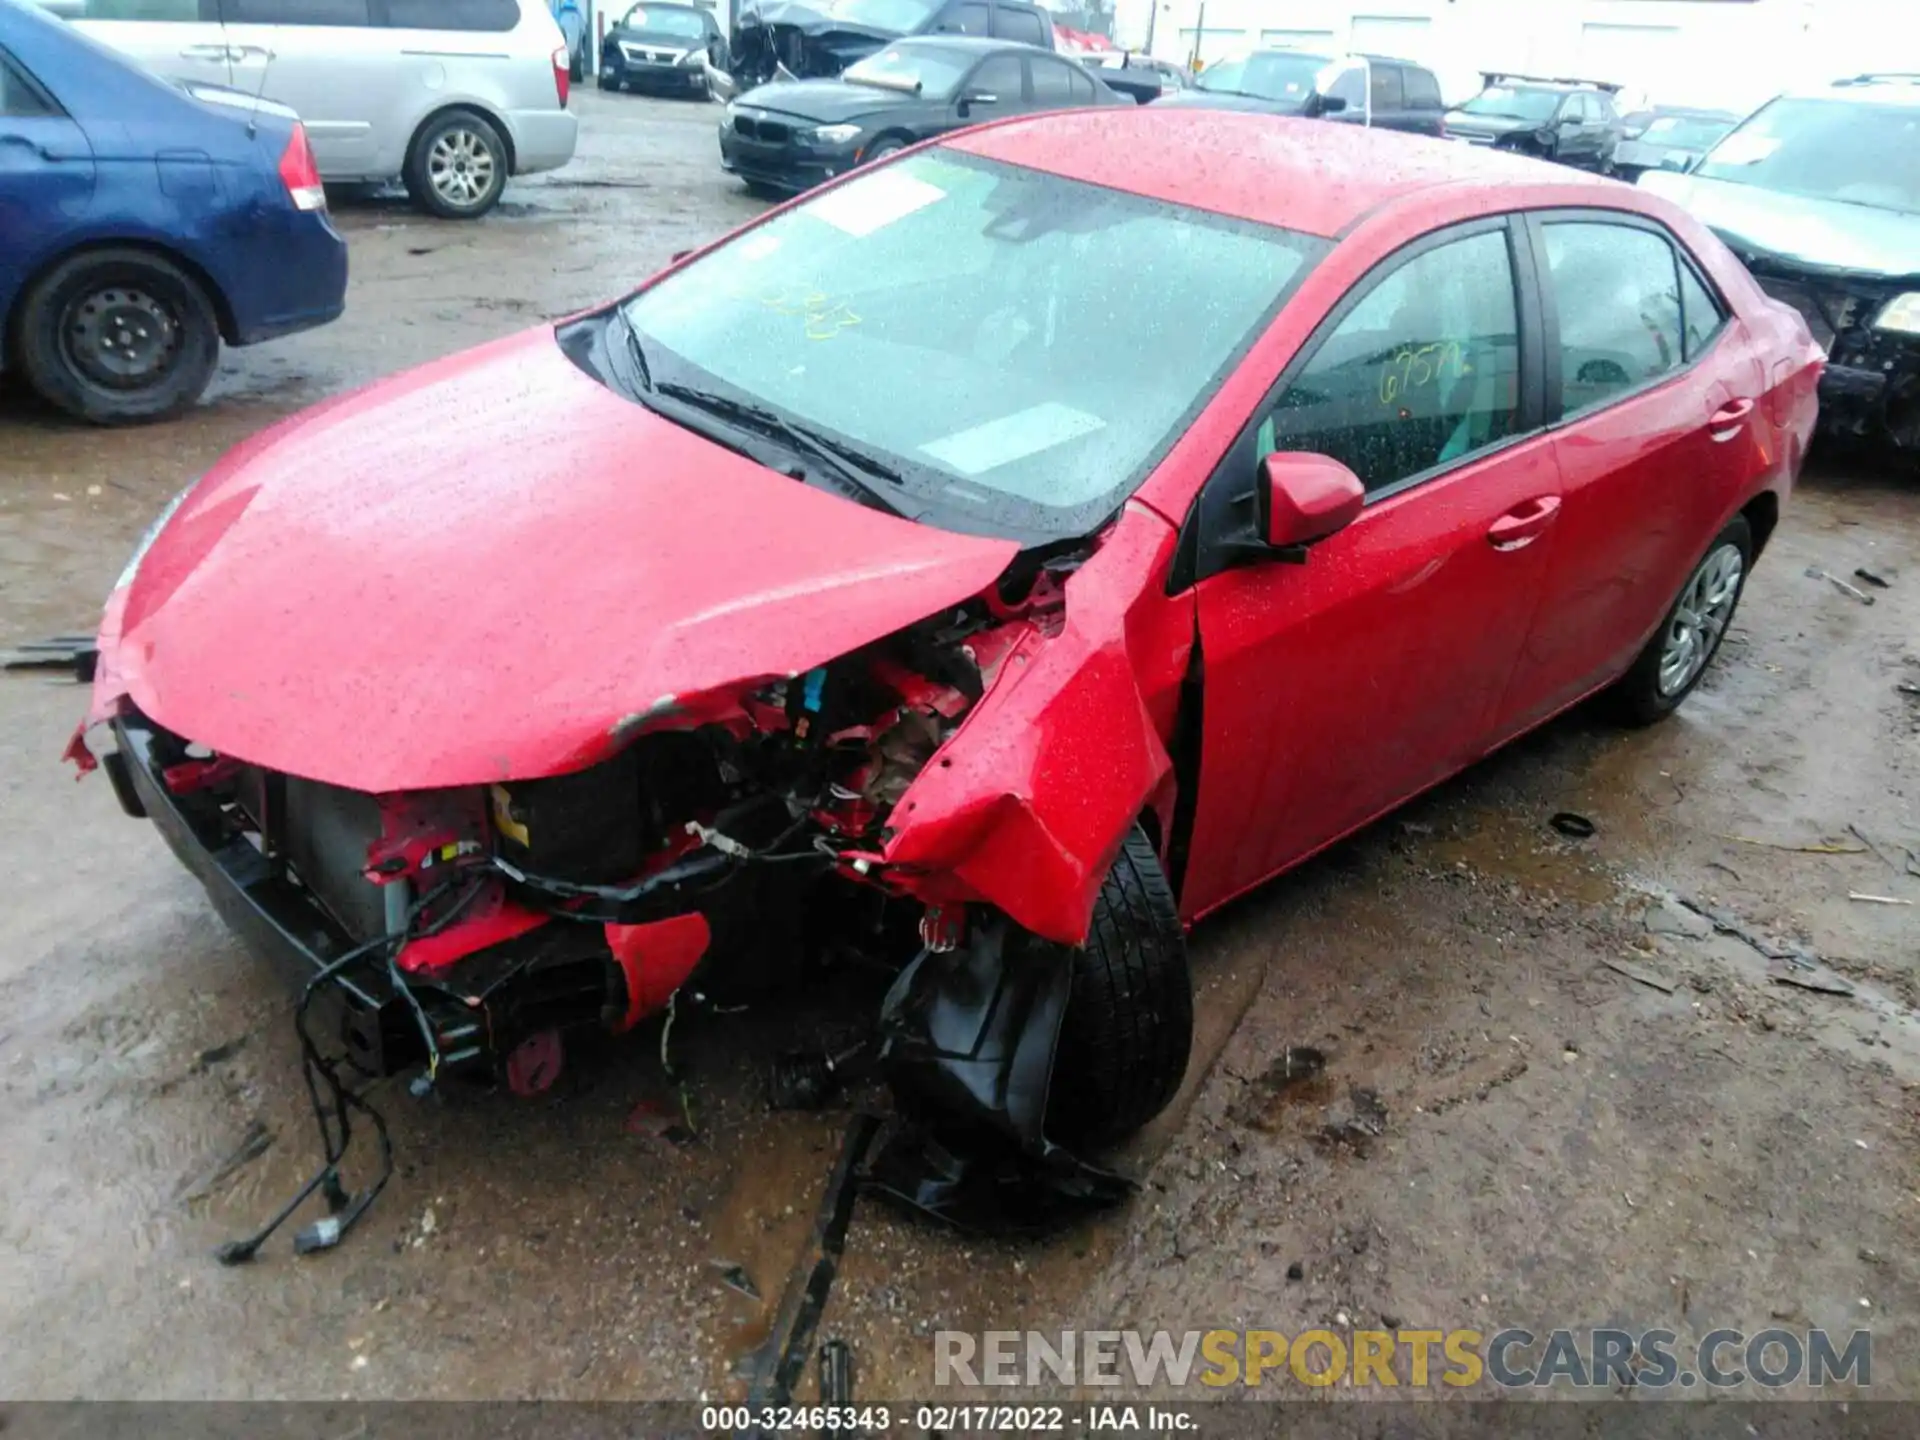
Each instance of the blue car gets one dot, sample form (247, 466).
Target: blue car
(142, 223)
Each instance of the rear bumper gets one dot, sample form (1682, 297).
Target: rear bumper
(552, 977)
(542, 139)
(295, 279)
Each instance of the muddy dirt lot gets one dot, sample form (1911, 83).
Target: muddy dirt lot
(1560, 1142)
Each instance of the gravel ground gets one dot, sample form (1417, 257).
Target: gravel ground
(1507, 1130)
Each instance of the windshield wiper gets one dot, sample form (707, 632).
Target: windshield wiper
(637, 352)
(851, 464)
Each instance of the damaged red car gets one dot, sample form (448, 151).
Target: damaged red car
(1014, 552)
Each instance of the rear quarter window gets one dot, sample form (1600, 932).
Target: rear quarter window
(1423, 91)
(296, 12)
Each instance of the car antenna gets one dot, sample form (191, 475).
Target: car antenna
(253, 115)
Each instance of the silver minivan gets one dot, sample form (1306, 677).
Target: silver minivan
(451, 96)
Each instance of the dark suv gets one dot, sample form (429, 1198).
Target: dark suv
(1571, 121)
(1376, 90)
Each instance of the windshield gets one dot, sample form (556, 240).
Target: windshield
(1510, 104)
(1685, 132)
(1826, 150)
(929, 70)
(1020, 347)
(1283, 75)
(899, 16)
(665, 20)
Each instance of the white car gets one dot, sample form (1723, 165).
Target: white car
(451, 96)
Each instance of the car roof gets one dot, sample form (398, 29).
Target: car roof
(1867, 89)
(1303, 175)
(967, 44)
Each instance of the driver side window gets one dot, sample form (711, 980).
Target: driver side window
(1422, 372)
(999, 77)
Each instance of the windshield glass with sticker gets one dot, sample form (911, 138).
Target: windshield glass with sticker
(1021, 349)
(1826, 150)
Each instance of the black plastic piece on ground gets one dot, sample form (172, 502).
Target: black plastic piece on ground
(778, 1362)
(1574, 827)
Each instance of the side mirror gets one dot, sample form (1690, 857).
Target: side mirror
(1303, 498)
(1330, 105)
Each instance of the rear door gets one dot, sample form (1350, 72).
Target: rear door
(1336, 688)
(326, 60)
(1656, 385)
(46, 175)
(1053, 84)
(1426, 113)
(180, 39)
(1386, 95)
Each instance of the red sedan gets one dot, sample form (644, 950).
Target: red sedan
(995, 561)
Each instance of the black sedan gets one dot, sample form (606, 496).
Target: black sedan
(661, 47)
(792, 134)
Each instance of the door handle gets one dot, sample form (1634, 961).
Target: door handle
(204, 52)
(1725, 422)
(1524, 524)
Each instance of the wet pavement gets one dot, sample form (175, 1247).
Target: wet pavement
(1562, 1143)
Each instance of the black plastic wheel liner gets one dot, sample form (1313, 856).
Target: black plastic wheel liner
(969, 1039)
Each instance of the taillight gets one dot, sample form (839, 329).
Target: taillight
(299, 174)
(562, 63)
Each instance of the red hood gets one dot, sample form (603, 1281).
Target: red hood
(477, 570)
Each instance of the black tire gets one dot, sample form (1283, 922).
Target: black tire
(576, 70)
(605, 84)
(1128, 1030)
(883, 148)
(466, 137)
(1640, 697)
(118, 337)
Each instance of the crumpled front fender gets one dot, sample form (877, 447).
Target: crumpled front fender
(1026, 805)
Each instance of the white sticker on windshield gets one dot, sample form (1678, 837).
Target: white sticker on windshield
(874, 201)
(1011, 437)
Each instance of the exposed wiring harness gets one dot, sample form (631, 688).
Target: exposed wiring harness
(333, 1113)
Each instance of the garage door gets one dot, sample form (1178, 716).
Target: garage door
(1401, 35)
(1641, 57)
(1319, 41)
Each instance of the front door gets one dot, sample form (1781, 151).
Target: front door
(326, 59)
(1658, 387)
(1336, 688)
(178, 39)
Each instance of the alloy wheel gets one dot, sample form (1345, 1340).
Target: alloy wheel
(1699, 620)
(460, 167)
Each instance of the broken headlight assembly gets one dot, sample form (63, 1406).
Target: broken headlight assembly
(1900, 315)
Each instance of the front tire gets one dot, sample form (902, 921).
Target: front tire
(883, 148)
(1665, 673)
(118, 337)
(1128, 1031)
(457, 167)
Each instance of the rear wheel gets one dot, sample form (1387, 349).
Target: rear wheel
(1687, 640)
(118, 336)
(1128, 1030)
(457, 166)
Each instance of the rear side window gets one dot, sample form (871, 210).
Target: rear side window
(1424, 371)
(296, 12)
(1385, 89)
(1052, 82)
(1021, 25)
(1700, 313)
(178, 12)
(968, 19)
(1617, 291)
(498, 16)
(1423, 91)
(20, 98)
